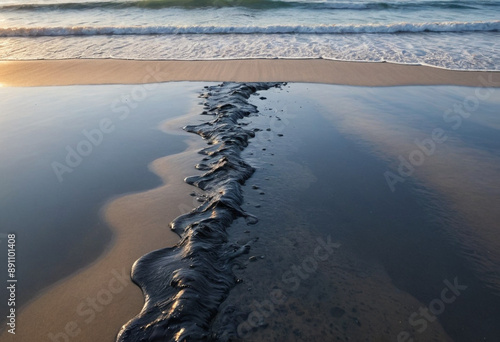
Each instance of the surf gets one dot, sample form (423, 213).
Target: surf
(487, 26)
(254, 4)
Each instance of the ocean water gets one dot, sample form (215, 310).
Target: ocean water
(453, 34)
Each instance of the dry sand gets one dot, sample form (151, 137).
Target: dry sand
(109, 71)
(92, 304)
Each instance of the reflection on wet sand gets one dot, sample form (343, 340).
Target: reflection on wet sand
(399, 272)
(448, 142)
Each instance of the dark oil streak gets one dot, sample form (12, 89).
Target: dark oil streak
(183, 286)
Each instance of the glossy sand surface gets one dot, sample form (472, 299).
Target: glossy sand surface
(324, 157)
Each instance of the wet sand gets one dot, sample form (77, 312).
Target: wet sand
(368, 290)
(396, 251)
(93, 304)
(54, 206)
(69, 302)
(110, 71)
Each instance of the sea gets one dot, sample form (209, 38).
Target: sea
(451, 34)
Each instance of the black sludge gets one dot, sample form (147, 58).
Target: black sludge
(183, 286)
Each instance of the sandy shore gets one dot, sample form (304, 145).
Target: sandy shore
(105, 276)
(93, 303)
(108, 71)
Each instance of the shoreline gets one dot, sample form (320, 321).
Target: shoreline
(34, 73)
(109, 273)
(72, 71)
(106, 280)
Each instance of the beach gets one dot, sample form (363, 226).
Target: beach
(111, 71)
(325, 155)
(249, 170)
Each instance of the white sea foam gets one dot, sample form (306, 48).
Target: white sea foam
(270, 29)
(464, 51)
(457, 34)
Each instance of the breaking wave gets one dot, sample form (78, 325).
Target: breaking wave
(486, 26)
(256, 4)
